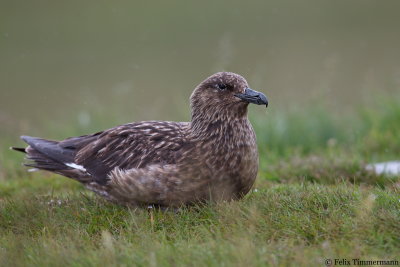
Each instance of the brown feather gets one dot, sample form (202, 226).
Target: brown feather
(213, 157)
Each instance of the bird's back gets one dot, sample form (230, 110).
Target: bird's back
(133, 145)
(92, 157)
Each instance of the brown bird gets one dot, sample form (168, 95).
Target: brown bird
(211, 158)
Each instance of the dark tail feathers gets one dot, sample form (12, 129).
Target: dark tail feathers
(20, 149)
(46, 154)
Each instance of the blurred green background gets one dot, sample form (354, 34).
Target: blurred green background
(95, 64)
(331, 71)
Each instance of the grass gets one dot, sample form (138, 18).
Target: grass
(314, 201)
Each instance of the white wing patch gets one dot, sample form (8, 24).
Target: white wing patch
(75, 166)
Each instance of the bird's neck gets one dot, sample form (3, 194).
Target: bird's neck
(216, 124)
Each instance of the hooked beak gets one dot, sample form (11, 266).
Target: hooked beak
(254, 97)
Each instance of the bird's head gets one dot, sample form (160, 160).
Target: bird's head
(224, 94)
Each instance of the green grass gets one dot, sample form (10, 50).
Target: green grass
(314, 201)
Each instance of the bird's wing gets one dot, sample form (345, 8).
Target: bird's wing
(133, 145)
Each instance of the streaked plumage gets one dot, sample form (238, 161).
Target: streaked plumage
(212, 157)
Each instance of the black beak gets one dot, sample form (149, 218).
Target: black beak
(254, 97)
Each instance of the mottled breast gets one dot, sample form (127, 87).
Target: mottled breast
(231, 158)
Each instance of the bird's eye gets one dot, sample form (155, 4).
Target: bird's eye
(221, 86)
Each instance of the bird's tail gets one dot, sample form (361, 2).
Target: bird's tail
(48, 155)
(20, 149)
(43, 154)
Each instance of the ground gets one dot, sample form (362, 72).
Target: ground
(313, 201)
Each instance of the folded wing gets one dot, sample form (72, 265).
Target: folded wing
(133, 145)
